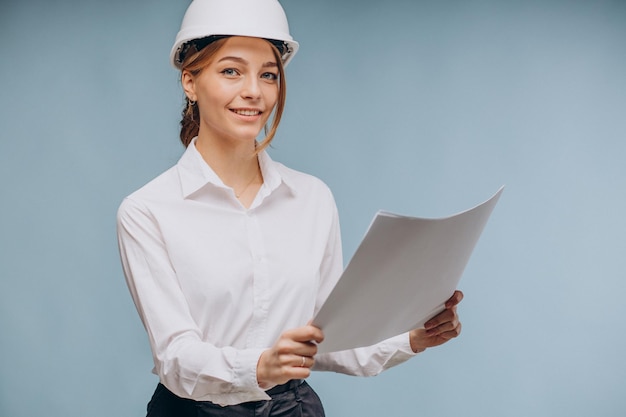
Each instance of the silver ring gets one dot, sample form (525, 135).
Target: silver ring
(303, 362)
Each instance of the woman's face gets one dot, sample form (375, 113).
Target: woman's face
(236, 91)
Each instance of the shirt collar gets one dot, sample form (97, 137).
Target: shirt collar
(196, 174)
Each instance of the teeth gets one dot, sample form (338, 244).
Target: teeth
(247, 112)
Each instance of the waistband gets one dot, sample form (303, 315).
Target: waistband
(279, 389)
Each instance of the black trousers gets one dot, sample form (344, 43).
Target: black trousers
(293, 399)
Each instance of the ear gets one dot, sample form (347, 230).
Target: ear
(188, 83)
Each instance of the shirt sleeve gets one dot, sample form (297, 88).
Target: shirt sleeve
(366, 361)
(185, 364)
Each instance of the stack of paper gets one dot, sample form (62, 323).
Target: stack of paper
(400, 276)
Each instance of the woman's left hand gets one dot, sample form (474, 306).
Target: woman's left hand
(440, 329)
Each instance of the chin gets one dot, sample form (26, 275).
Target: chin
(249, 135)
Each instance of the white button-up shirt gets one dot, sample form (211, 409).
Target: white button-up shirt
(215, 284)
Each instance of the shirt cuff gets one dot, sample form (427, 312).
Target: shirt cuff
(245, 372)
(401, 347)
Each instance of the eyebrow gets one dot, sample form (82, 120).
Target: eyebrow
(269, 64)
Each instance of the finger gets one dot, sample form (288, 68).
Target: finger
(443, 317)
(286, 345)
(301, 361)
(289, 349)
(455, 299)
(451, 334)
(443, 328)
(306, 334)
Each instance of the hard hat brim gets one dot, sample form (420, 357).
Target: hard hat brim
(178, 50)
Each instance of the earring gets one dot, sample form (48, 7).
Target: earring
(190, 108)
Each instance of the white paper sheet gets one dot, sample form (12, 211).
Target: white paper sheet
(400, 276)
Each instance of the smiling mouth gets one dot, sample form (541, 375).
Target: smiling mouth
(246, 112)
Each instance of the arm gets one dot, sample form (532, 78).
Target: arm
(372, 360)
(187, 365)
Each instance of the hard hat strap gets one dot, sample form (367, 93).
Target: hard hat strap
(201, 43)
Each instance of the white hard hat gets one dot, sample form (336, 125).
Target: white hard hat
(255, 18)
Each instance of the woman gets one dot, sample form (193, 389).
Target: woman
(228, 254)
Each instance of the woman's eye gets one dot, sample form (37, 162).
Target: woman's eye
(229, 71)
(269, 76)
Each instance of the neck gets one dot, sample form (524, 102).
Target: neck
(236, 164)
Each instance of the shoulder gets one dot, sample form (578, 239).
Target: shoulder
(165, 186)
(303, 183)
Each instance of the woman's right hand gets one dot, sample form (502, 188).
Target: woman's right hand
(291, 357)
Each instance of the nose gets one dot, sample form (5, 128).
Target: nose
(251, 88)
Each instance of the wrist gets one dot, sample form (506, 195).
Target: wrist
(261, 374)
(414, 342)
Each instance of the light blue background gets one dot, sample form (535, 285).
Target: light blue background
(424, 108)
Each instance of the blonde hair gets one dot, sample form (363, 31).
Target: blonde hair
(194, 62)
